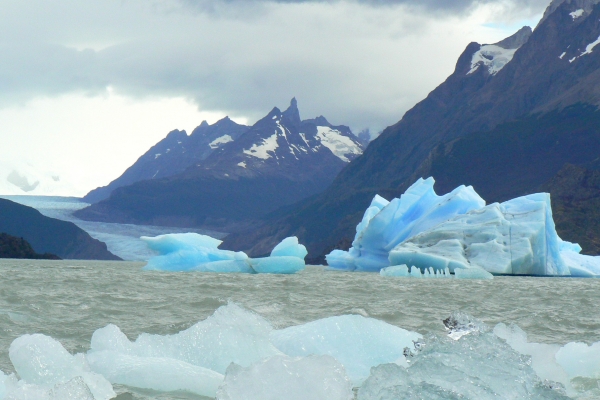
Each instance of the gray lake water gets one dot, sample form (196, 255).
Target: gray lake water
(69, 300)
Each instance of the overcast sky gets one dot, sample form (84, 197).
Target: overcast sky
(86, 87)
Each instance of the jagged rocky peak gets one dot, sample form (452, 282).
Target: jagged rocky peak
(292, 113)
(517, 40)
(580, 7)
(493, 57)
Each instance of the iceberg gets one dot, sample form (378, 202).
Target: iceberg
(387, 224)
(289, 247)
(458, 232)
(193, 252)
(289, 378)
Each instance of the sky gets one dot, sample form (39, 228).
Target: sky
(86, 87)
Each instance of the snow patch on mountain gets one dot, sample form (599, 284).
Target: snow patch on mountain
(590, 47)
(262, 149)
(219, 141)
(242, 164)
(576, 14)
(341, 146)
(491, 56)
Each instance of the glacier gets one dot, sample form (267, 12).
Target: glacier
(200, 253)
(459, 232)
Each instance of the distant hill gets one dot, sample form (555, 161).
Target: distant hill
(49, 235)
(506, 121)
(173, 155)
(14, 247)
(278, 161)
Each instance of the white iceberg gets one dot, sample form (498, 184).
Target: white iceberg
(458, 232)
(200, 253)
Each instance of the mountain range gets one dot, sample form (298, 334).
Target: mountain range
(510, 120)
(227, 176)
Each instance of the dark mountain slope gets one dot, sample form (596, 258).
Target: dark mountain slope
(576, 206)
(49, 235)
(482, 93)
(278, 161)
(173, 155)
(14, 247)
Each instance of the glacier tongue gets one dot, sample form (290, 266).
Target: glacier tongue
(458, 232)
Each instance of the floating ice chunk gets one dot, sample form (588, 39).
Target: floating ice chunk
(200, 253)
(478, 366)
(396, 270)
(579, 359)
(359, 343)
(156, 373)
(171, 243)
(278, 265)
(543, 356)
(472, 273)
(283, 377)
(289, 247)
(231, 334)
(75, 389)
(186, 251)
(416, 211)
(42, 361)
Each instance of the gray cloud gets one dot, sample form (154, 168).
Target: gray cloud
(356, 62)
(441, 6)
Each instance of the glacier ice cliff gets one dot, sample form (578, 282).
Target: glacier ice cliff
(458, 232)
(201, 253)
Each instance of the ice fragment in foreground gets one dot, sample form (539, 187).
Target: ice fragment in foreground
(43, 362)
(231, 334)
(478, 365)
(156, 373)
(359, 343)
(283, 377)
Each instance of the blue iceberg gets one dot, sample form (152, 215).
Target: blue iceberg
(458, 232)
(193, 252)
(387, 224)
